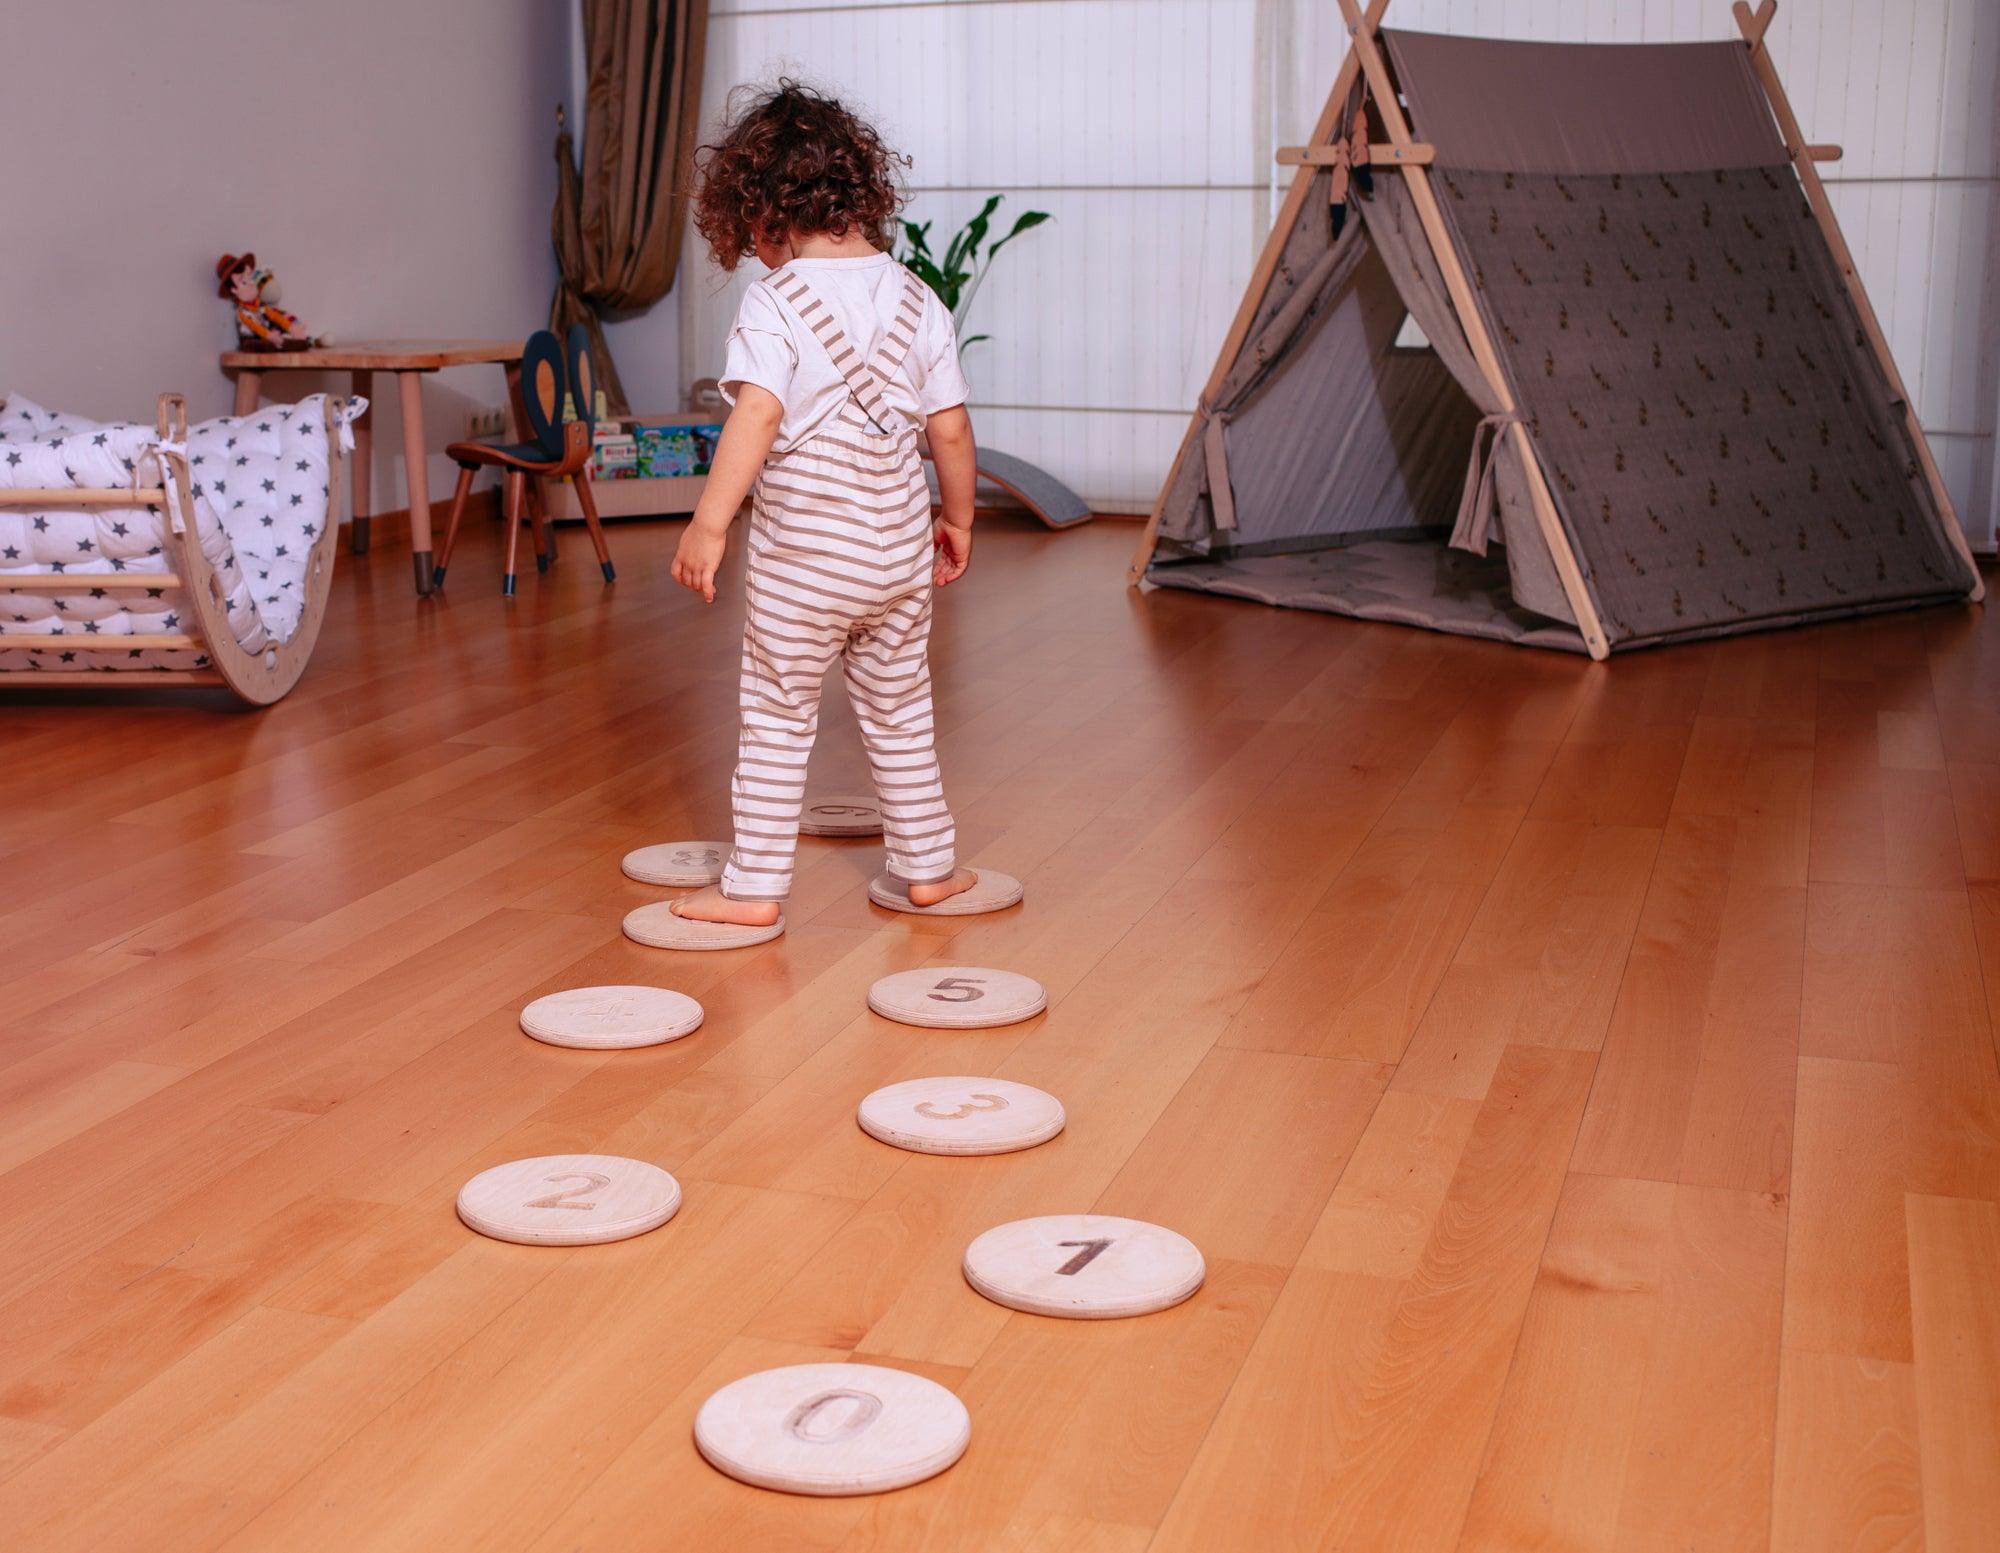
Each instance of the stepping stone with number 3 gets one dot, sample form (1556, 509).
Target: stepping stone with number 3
(832, 1429)
(957, 997)
(1086, 1265)
(678, 864)
(961, 1115)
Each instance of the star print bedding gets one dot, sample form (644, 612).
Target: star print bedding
(260, 500)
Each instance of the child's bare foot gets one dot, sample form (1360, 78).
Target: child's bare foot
(944, 890)
(711, 905)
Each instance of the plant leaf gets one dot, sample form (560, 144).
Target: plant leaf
(1028, 222)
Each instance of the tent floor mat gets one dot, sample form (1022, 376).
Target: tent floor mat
(1417, 582)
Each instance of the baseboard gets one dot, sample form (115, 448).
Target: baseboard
(480, 506)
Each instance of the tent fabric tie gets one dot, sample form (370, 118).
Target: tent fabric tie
(1475, 505)
(1216, 450)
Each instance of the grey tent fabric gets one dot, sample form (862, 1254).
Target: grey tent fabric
(1721, 448)
(1584, 107)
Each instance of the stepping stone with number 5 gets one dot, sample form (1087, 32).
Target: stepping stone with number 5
(957, 997)
(1087, 1265)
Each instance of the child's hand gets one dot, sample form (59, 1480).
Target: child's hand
(699, 558)
(954, 552)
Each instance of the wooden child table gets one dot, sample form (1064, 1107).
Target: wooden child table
(362, 359)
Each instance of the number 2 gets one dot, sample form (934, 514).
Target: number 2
(991, 1103)
(967, 988)
(592, 1182)
(1092, 1250)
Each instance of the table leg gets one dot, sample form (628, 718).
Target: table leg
(410, 390)
(247, 385)
(363, 383)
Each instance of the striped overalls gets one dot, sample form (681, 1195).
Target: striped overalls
(840, 567)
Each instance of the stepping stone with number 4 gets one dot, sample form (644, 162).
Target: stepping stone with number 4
(611, 1018)
(569, 1199)
(680, 864)
(961, 1115)
(832, 1429)
(1087, 1265)
(842, 814)
(957, 997)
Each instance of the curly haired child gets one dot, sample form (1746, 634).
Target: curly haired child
(839, 357)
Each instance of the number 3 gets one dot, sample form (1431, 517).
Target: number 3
(960, 984)
(992, 1103)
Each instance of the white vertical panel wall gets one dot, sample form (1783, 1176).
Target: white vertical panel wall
(1146, 128)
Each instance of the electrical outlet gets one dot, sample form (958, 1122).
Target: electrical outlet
(485, 422)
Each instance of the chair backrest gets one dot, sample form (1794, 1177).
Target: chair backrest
(544, 380)
(582, 376)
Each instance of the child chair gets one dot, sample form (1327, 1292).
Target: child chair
(559, 447)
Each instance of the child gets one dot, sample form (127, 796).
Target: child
(838, 358)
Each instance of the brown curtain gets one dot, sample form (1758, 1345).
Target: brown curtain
(619, 217)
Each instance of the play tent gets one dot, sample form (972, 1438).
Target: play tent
(1558, 344)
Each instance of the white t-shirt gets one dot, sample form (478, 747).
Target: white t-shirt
(774, 348)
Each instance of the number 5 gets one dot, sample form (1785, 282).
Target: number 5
(968, 989)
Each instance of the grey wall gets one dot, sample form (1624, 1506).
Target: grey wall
(390, 159)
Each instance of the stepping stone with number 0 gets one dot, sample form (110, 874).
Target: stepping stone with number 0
(1086, 1265)
(569, 1199)
(957, 997)
(611, 1018)
(681, 864)
(832, 1429)
(991, 891)
(842, 814)
(961, 1116)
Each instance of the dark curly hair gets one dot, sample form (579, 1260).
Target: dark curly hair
(790, 161)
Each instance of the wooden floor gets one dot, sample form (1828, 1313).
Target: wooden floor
(1581, 1080)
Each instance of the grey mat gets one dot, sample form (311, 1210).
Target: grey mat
(1416, 582)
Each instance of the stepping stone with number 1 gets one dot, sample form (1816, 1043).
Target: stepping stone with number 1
(832, 1429)
(1087, 1265)
(957, 997)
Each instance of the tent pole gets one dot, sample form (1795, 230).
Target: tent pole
(1476, 335)
(1753, 25)
(1253, 294)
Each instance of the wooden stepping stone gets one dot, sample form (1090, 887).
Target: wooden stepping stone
(841, 814)
(991, 891)
(657, 927)
(681, 864)
(961, 1115)
(832, 1429)
(569, 1199)
(957, 997)
(611, 1018)
(1086, 1265)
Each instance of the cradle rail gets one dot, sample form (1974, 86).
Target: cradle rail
(258, 678)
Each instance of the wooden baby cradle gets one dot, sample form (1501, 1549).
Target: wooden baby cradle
(258, 678)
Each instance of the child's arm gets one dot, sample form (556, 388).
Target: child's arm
(746, 442)
(950, 434)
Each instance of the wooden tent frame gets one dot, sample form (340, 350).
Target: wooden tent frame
(1364, 61)
(258, 678)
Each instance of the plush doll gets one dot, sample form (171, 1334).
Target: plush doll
(260, 324)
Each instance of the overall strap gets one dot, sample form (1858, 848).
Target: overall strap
(861, 377)
(902, 330)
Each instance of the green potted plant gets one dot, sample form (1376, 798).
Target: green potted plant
(956, 275)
